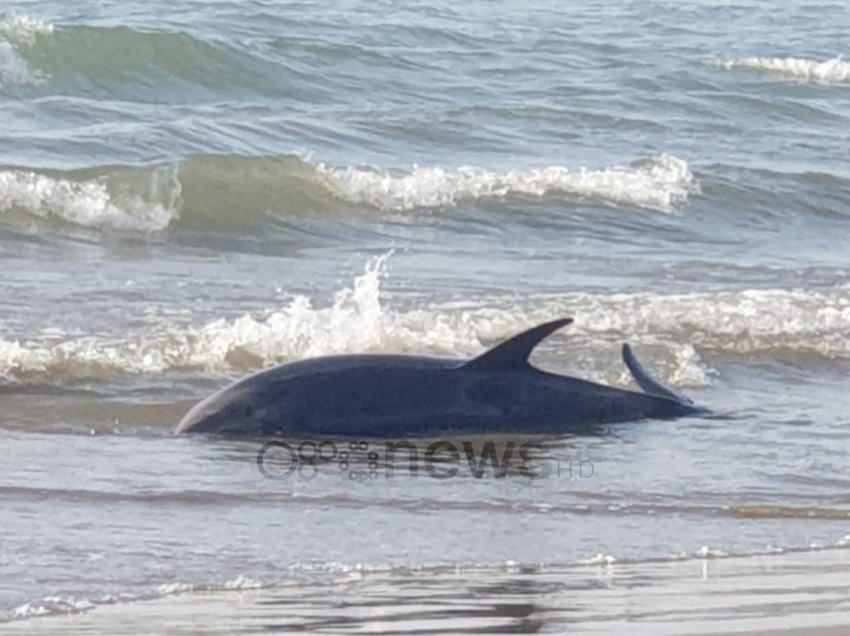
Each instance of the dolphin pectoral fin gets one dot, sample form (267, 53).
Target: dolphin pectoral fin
(645, 381)
(513, 353)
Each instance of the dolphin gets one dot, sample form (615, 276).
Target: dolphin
(393, 396)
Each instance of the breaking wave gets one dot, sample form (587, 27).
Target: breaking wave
(670, 328)
(123, 200)
(660, 184)
(22, 30)
(209, 190)
(19, 33)
(835, 71)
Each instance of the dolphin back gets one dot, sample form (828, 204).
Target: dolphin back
(513, 353)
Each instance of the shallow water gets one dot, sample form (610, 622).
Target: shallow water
(190, 193)
(803, 593)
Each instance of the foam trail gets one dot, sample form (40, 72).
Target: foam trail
(658, 184)
(91, 202)
(835, 71)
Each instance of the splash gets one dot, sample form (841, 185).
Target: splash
(672, 330)
(355, 321)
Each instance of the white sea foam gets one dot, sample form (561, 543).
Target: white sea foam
(670, 327)
(150, 198)
(241, 582)
(835, 70)
(14, 69)
(23, 30)
(169, 589)
(659, 184)
(17, 34)
(51, 605)
(600, 559)
(92, 202)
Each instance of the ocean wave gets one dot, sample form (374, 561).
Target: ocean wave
(18, 33)
(121, 62)
(835, 71)
(673, 329)
(225, 190)
(660, 184)
(816, 193)
(145, 200)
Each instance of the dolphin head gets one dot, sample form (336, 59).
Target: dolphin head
(239, 409)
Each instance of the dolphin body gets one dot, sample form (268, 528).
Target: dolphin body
(392, 396)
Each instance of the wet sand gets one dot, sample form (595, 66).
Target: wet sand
(788, 594)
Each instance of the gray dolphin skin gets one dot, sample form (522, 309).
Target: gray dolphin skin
(391, 396)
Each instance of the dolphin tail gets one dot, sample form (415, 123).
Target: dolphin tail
(649, 384)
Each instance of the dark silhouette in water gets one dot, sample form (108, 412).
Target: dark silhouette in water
(391, 396)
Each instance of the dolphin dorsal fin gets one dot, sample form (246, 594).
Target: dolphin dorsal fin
(645, 381)
(513, 353)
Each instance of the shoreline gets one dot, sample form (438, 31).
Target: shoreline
(768, 595)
